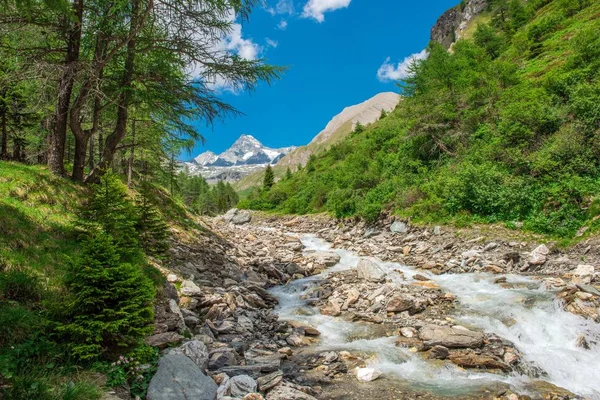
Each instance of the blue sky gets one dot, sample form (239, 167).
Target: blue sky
(339, 53)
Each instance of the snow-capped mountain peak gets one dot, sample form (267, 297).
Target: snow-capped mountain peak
(205, 158)
(246, 152)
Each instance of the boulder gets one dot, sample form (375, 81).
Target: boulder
(353, 295)
(179, 378)
(583, 274)
(367, 269)
(241, 218)
(539, 255)
(367, 374)
(399, 227)
(433, 335)
(439, 352)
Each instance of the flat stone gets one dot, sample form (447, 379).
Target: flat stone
(472, 360)
(434, 335)
(269, 381)
(241, 385)
(189, 288)
(439, 352)
(179, 378)
(327, 258)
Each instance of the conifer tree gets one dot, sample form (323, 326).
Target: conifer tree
(288, 173)
(269, 179)
(110, 303)
(111, 208)
(152, 229)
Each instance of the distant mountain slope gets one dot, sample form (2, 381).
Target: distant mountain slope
(336, 130)
(502, 128)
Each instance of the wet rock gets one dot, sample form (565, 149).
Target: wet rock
(367, 269)
(399, 227)
(583, 274)
(473, 360)
(179, 378)
(367, 374)
(539, 255)
(162, 340)
(439, 352)
(433, 335)
(267, 382)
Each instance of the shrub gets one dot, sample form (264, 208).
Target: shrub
(111, 302)
(17, 323)
(151, 227)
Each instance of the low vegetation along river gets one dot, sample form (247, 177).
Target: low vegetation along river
(516, 311)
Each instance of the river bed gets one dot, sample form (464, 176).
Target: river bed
(520, 310)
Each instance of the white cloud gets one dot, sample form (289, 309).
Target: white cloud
(317, 8)
(392, 72)
(272, 43)
(282, 25)
(282, 7)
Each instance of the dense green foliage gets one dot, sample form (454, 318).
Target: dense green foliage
(269, 178)
(505, 127)
(203, 198)
(75, 286)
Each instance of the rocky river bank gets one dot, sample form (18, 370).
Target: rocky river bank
(309, 307)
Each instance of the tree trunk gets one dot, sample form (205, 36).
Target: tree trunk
(3, 123)
(58, 136)
(91, 154)
(123, 102)
(81, 145)
(131, 156)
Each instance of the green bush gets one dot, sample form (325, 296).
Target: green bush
(17, 323)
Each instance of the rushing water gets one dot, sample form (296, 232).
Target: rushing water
(521, 311)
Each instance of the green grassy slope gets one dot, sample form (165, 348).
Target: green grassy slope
(503, 128)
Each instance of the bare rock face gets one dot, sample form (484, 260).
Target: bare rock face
(434, 335)
(449, 27)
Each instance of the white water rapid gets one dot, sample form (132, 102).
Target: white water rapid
(522, 312)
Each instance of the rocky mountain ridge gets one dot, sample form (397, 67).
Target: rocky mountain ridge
(451, 25)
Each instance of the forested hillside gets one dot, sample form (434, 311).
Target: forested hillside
(503, 127)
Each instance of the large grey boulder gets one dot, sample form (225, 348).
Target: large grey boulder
(434, 335)
(196, 351)
(237, 217)
(368, 270)
(179, 378)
